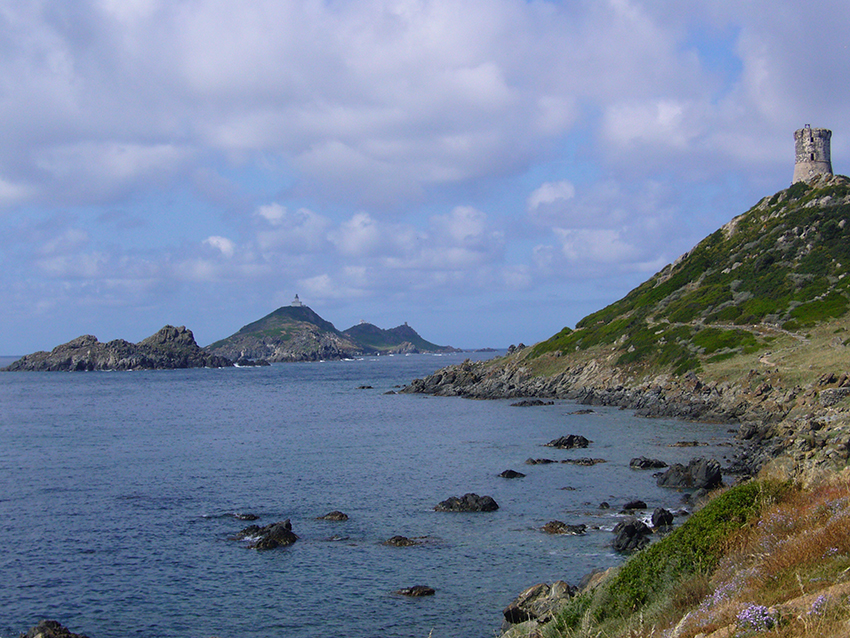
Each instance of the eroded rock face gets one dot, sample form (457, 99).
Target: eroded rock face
(700, 473)
(468, 503)
(539, 603)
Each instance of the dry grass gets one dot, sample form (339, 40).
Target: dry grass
(792, 564)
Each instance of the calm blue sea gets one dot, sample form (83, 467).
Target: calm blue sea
(117, 490)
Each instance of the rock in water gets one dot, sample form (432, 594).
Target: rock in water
(468, 503)
(336, 515)
(699, 474)
(569, 442)
(631, 535)
(511, 474)
(50, 629)
(269, 537)
(559, 527)
(416, 591)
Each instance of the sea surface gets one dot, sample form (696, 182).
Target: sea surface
(118, 490)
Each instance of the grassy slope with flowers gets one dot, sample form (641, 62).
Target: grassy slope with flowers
(763, 558)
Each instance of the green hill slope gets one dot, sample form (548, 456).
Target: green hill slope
(396, 340)
(290, 333)
(779, 268)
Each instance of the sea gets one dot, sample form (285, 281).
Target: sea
(120, 494)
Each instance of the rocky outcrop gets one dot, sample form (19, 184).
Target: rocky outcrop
(50, 629)
(644, 463)
(416, 591)
(336, 515)
(698, 474)
(631, 535)
(539, 603)
(271, 536)
(468, 503)
(559, 527)
(569, 442)
(169, 348)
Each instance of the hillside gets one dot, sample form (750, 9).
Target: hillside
(401, 339)
(297, 333)
(748, 327)
(290, 333)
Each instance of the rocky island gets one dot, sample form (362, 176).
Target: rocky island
(169, 348)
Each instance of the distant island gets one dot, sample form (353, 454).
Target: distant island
(297, 333)
(290, 333)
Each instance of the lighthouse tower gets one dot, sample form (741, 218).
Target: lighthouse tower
(811, 147)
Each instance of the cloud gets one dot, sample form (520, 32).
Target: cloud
(222, 244)
(551, 192)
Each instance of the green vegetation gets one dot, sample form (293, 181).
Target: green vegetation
(761, 549)
(782, 263)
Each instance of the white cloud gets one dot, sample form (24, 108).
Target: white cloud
(551, 192)
(225, 246)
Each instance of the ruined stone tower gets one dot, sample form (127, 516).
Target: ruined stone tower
(811, 146)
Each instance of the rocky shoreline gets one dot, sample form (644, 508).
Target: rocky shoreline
(804, 424)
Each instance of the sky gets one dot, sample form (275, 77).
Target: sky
(488, 171)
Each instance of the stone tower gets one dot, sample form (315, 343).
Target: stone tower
(811, 146)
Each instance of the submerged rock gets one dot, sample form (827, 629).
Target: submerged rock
(511, 474)
(468, 503)
(416, 591)
(559, 527)
(531, 403)
(336, 515)
(402, 541)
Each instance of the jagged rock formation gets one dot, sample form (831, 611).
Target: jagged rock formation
(167, 349)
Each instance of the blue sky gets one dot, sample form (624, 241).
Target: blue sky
(487, 170)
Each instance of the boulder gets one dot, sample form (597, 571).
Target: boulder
(631, 535)
(569, 442)
(416, 591)
(698, 474)
(636, 504)
(559, 527)
(336, 515)
(269, 537)
(468, 503)
(644, 463)
(662, 519)
(402, 541)
(539, 461)
(511, 474)
(50, 629)
(539, 603)
(585, 461)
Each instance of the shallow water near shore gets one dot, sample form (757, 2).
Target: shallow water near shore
(117, 495)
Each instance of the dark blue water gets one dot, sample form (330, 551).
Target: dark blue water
(116, 490)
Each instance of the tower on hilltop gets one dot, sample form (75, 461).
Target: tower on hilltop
(811, 147)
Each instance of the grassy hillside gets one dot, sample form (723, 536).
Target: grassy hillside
(779, 269)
